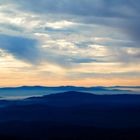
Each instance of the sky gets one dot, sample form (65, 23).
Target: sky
(69, 42)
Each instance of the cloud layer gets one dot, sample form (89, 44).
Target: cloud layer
(80, 37)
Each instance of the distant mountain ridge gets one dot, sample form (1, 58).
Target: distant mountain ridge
(23, 92)
(67, 88)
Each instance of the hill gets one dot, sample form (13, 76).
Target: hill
(71, 115)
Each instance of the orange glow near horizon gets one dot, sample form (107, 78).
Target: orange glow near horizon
(84, 82)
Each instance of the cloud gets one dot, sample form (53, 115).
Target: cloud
(21, 48)
(69, 34)
(81, 75)
(123, 14)
(30, 51)
(65, 54)
(100, 8)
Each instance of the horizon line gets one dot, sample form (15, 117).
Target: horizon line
(65, 86)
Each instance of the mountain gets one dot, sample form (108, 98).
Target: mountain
(72, 104)
(29, 91)
(71, 115)
(66, 88)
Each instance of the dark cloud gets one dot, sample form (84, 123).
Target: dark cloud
(123, 14)
(11, 27)
(105, 8)
(21, 48)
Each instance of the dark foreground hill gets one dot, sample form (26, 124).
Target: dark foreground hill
(71, 116)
